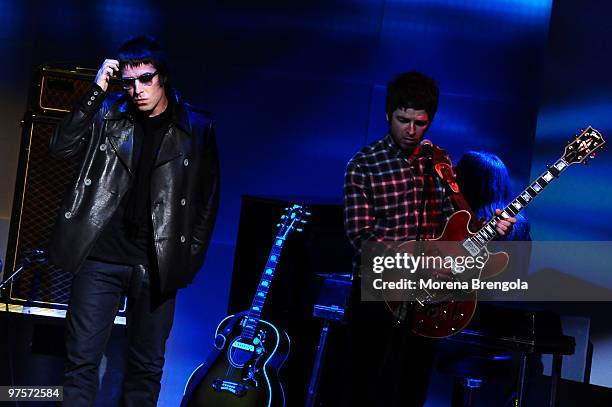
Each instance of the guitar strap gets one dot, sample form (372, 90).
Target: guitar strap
(444, 168)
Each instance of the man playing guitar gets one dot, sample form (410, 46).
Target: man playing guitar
(388, 197)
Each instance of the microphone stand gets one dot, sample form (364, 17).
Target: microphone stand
(29, 258)
(427, 152)
(33, 255)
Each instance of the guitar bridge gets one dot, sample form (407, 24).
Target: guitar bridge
(229, 386)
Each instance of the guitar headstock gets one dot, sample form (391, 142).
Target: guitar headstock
(293, 218)
(583, 146)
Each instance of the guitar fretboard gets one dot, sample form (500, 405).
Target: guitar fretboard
(293, 217)
(488, 231)
(262, 290)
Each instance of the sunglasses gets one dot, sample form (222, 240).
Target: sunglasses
(146, 79)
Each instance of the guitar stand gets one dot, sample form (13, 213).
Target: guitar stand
(330, 306)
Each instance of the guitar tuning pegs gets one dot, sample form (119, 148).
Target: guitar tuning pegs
(308, 213)
(303, 220)
(593, 155)
(299, 229)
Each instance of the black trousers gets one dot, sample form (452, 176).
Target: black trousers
(97, 290)
(390, 366)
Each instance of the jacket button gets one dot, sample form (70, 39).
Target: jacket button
(93, 98)
(185, 162)
(87, 181)
(68, 215)
(102, 147)
(183, 202)
(96, 93)
(183, 239)
(89, 103)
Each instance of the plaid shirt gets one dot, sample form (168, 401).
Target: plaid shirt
(382, 196)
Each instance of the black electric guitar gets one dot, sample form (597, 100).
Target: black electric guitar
(242, 369)
(440, 313)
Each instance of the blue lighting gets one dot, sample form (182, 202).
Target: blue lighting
(561, 120)
(11, 14)
(120, 19)
(507, 7)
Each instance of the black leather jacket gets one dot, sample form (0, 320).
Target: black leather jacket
(184, 184)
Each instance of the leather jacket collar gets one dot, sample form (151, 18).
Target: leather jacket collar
(121, 108)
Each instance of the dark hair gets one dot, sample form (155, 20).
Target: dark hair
(141, 50)
(485, 184)
(412, 90)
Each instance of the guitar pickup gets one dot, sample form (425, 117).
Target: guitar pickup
(237, 389)
(471, 247)
(244, 346)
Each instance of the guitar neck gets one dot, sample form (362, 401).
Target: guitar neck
(262, 289)
(293, 217)
(488, 232)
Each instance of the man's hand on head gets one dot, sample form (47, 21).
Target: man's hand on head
(105, 72)
(504, 226)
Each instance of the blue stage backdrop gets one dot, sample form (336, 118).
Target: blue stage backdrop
(296, 88)
(576, 90)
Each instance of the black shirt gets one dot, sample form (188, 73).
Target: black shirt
(128, 237)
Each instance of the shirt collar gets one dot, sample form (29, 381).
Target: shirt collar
(397, 152)
(179, 115)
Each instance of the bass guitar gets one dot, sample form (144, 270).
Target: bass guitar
(442, 313)
(248, 352)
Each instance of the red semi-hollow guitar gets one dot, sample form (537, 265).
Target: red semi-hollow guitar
(441, 313)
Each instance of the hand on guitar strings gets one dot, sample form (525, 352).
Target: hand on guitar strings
(504, 226)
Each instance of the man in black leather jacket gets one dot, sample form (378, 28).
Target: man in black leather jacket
(137, 220)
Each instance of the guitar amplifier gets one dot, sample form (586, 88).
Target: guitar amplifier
(55, 91)
(321, 253)
(41, 182)
(40, 185)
